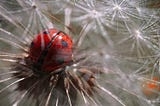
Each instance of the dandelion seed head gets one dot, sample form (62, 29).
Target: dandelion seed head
(115, 49)
(138, 34)
(117, 7)
(95, 14)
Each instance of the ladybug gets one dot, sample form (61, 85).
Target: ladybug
(50, 50)
(151, 88)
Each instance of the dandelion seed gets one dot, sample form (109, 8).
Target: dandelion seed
(114, 59)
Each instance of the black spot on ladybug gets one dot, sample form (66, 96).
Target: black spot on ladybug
(60, 60)
(45, 32)
(64, 43)
(32, 44)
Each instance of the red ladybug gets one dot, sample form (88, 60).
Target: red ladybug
(50, 50)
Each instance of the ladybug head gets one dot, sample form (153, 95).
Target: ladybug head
(50, 50)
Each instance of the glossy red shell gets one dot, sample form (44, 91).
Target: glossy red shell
(59, 53)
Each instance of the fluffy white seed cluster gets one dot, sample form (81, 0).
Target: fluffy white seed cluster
(115, 52)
